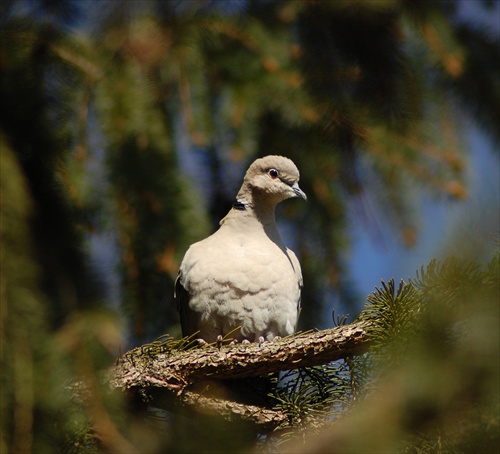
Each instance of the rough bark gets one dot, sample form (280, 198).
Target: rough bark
(265, 418)
(160, 365)
(150, 366)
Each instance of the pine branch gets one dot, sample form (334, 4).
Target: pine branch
(168, 365)
(174, 369)
(264, 418)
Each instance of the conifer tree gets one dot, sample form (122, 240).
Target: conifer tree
(125, 124)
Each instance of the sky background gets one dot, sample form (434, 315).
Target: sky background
(445, 226)
(442, 222)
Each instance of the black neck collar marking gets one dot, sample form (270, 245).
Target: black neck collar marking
(240, 206)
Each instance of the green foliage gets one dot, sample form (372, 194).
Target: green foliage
(38, 366)
(451, 281)
(394, 312)
(313, 394)
(363, 92)
(442, 380)
(102, 106)
(428, 382)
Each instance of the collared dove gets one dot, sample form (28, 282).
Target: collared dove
(242, 281)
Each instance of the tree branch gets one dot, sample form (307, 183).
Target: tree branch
(265, 418)
(166, 365)
(174, 369)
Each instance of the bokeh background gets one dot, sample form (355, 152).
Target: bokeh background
(126, 128)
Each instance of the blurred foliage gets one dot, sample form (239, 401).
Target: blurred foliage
(125, 126)
(429, 382)
(39, 412)
(157, 104)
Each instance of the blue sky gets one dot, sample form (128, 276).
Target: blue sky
(445, 226)
(465, 229)
(460, 228)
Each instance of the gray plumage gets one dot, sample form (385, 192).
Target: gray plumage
(243, 275)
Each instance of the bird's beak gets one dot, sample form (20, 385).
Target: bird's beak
(299, 192)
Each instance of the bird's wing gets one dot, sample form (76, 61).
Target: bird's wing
(300, 281)
(188, 317)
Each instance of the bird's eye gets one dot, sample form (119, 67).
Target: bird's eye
(273, 173)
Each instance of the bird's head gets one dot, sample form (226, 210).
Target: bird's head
(274, 178)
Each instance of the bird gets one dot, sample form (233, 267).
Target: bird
(242, 282)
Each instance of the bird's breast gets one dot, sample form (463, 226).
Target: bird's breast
(238, 267)
(246, 282)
